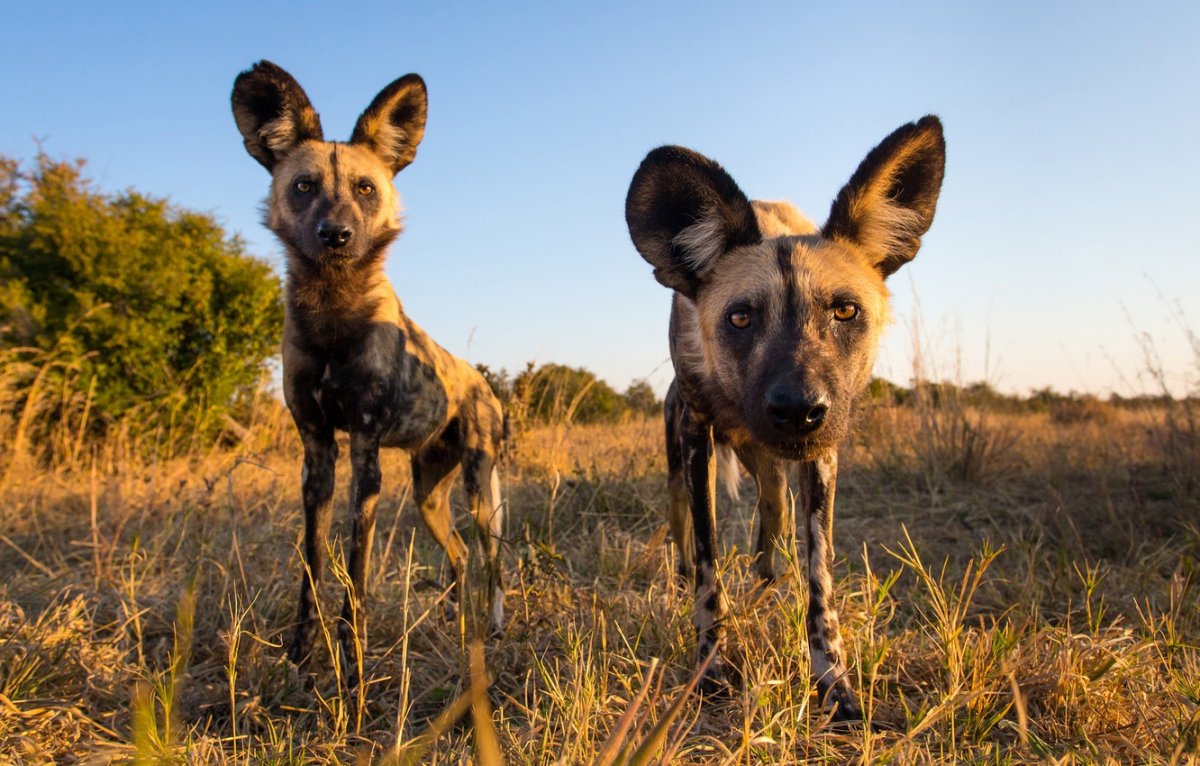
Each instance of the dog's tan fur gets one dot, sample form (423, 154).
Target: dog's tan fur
(352, 359)
(780, 218)
(774, 330)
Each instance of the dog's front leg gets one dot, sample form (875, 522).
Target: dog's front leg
(316, 488)
(679, 513)
(824, 636)
(700, 476)
(364, 492)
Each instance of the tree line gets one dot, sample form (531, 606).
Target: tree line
(557, 393)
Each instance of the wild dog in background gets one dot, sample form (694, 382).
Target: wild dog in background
(352, 360)
(773, 333)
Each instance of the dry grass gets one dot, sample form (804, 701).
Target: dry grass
(1014, 588)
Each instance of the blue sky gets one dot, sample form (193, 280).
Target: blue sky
(1067, 226)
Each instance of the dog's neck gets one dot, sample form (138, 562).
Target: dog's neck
(337, 305)
(332, 289)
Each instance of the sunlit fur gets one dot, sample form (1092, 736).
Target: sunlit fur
(352, 360)
(781, 219)
(337, 170)
(774, 329)
(820, 272)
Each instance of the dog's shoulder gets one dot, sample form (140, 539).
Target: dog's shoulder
(781, 219)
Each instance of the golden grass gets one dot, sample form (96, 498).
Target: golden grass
(1038, 603)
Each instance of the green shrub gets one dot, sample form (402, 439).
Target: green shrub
(162, 316)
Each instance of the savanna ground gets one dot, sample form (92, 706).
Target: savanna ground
(1014, 587)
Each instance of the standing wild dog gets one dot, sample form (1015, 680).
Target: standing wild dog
(773, 333)
(352, 361)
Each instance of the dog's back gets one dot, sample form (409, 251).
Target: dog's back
(781, 219)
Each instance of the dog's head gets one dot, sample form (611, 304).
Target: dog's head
(778, 324)
(331, 203)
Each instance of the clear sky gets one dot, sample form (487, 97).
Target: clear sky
(1067, 226)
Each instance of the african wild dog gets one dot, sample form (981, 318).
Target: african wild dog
(773, 333)
(352, 360)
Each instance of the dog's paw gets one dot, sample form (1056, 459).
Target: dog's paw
(450, 610)
(843, 707)
(718, 681)
(715, 684)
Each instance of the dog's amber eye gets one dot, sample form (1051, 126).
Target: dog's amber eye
(844, 312)
(304, 186)
(366, 189)
(739, 319)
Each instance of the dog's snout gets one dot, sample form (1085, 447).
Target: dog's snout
(794, 409)
(333, 234)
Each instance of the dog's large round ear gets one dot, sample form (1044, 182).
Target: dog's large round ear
(273, 113)
(684, 212)
(890, 200)
(394, 123)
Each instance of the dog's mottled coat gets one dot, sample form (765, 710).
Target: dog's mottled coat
(352, 360)
(773, 333)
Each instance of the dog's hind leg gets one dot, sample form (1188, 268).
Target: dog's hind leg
(678, 511)
(825, 648)
(774, 514)
(433, 472)
(481, 479)
(316, 488)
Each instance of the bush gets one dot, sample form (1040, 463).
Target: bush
(162, 319)
(640, 398)
(558, 393)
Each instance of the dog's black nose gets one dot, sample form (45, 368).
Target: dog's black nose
(794, 410)
(333, 234)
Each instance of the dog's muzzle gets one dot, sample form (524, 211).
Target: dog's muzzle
(333, 235)
(793, 411)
